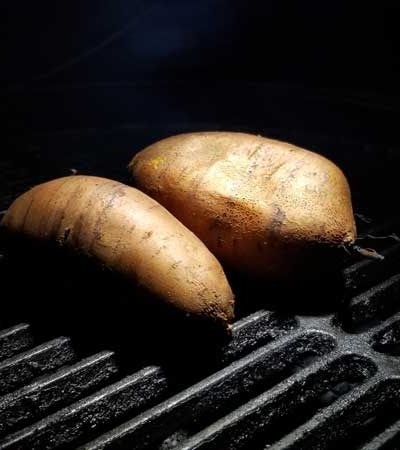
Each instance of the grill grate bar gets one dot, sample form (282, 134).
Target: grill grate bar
(380, 236)
(235, 430)
(22, 368)
(254, 331)
(341, 420)
(366, 273)
(104, 407)
(387, 440)
(388, 227)
(223, 390)
(386, 338)
(14, 340)
(64, 386)
(371, 306)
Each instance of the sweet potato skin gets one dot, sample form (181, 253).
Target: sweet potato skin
(262, 206)
(130, 233)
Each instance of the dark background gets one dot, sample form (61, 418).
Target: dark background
(319, 44)
(90, 49)
(86, 84)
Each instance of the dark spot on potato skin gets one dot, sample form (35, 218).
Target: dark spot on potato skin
(293, 172)
(80, 222)
(65, 236)
(118, 192)
(216, 223)
(220, 223)
(251, 169)
(147, 235)
(278, 218)
(96, 236)
(175, 265)
(77, 229)
(160, 249)
(255, 151)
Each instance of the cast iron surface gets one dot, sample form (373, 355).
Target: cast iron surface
(84, 365)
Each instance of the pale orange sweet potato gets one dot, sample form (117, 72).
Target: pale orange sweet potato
(131, 234)
(264, 207)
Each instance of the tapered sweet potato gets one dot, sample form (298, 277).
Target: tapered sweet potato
(130, 233)
(262, 206)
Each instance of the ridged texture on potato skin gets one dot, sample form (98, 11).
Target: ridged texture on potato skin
(130, 233)
(261, 205)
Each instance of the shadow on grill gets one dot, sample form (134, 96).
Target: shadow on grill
(59, 293)
(387, 340)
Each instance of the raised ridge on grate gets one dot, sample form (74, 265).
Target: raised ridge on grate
(67, 425)
(54, 391)
(24, 367)
(366, 272)
(380, 232)
(386, 338)
(380, 236)
(287, 402)
(345, 422)
(389, 439)
(219, 393)
(14, 340)
(371, 306)
(256, 330)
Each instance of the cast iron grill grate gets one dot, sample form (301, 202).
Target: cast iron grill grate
(284, 382)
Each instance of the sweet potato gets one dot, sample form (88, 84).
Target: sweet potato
(262, 206)
(131, 234)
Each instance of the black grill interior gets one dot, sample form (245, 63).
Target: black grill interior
(83, 363)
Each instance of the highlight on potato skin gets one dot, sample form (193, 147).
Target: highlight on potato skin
(131, 234)
(262, 206)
